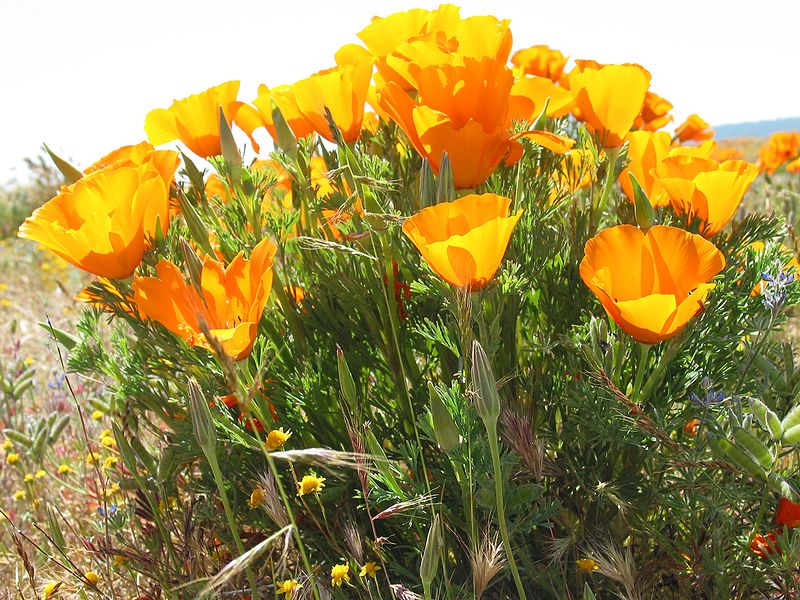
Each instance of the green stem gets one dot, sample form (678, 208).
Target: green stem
(212, 460)
(644, 351)
(491, 429)
(597, 209)
(658, 372)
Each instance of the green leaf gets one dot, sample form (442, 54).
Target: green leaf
(70, 173)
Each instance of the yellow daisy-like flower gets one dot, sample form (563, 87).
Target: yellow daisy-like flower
(98, 415)
(92, 457)
(110, 462)
(65, 469)
(119, 560)
(339, 574)
(370, 569)
(108, 441)
(91, 577)
(310, 484)
(50, 589)
(257, 497)
(28, 477)
(587, 565)
(20, 495)
(12, 458)
(288, 586)
(7, 445)
(40, 473)
(277, 438)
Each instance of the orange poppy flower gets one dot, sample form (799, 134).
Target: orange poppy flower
(230, 300)
(195, 120)
(788, 513)
(342, 90)
(780, 147)
(705, 189)
(655, 113)
(165, 161)
(691, 427)
(528, 97)
(794, 166)
(646, 151)
(216, 187)
(651, 283)
(766, 546)
(464, 241)
(541, 61)
(723, 153)
(608, 113)
(694, 129)
(103, 222)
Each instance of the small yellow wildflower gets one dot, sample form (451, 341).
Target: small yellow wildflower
(310, 484)
(40, 473)
(108, 441)
(257, 498)
(50, 589)
(105, 432)
(63, 469)
(92, 457)
(119, 560)
(90, 577)
(288, 586)
(277, 438)
(20, 495)
(340, 573)
(98, 415)
(28, 477)
(3, 286)
(587, 565)
(28, 361)
(370, 569)
(12, 458)
(5, 302)
(110, 462)
(7, 445)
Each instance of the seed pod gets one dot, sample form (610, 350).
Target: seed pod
(16, 436)
(791, 436)
(430, 556)
(768, 419)
(792, 418)
(754, 447)
(39, 441)
(444, 428)
(58, 427)
(740, 458)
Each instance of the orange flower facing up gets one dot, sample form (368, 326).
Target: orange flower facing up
(608, 112)
(705, 189)
(103, 222)
(650, 283)
(230, 300)
(788, 514)
(165, 161)
(541, 61)
(464, 241)
(528, 97)
(195, 120)
(646, 150)
(655, 113)
(694, 129)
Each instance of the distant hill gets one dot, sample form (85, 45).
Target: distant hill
(756, 129)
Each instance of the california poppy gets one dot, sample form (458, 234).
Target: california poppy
(651, 283)
(655, 113)
(646, 150)
(694, 129)
(788, 513)
(195, 120)
(541, 61)
(230, 300)
(779, 148)
(608, 113)
(766, 546)
(103, 222)
(464, 241)
(705, 189)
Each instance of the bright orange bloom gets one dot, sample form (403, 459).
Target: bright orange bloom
(794, 166)
(691, 427)
(608, 113)
(766, 546)
(215, 187)
(528, 97)
(541, 61)
(646, 150)
(103, 222)
(723, 153)
(650, 283)
(694, 129)
(342, 90)
(788, 513)
(464, 241)
(705, 189)
(655, 113)
(195, 120)
(165, 161)
(230, 300)
(779, 148)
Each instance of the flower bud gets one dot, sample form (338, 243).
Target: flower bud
(487, 401)
(202, 421)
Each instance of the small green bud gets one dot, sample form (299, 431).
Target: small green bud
(347, 384)
(447, 187)
(202, 421)
(645, 213)
(444, 428)
(487, 400)
(430, 555)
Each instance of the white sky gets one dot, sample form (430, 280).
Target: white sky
(81, 75)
